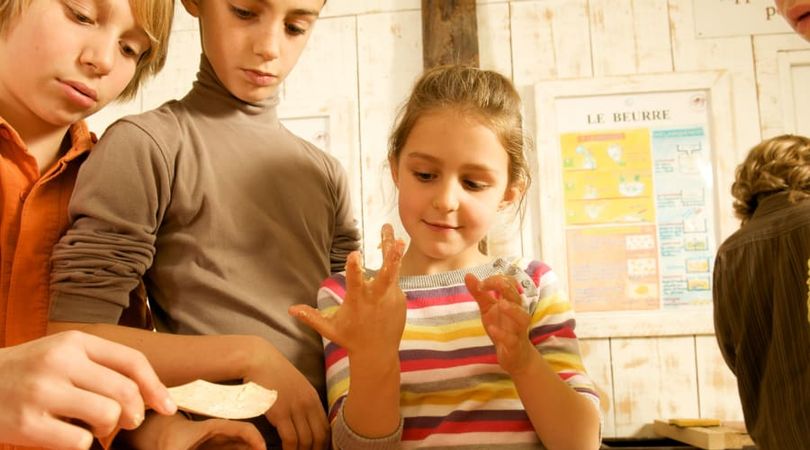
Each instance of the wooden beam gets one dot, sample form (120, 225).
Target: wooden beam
(449, 33)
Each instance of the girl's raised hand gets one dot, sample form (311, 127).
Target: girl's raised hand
(504, 319)
(372, 317)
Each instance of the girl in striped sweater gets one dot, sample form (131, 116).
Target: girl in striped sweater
(448, 347)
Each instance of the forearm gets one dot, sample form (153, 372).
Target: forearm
(371, 408)
(553, 406)
(179, 359)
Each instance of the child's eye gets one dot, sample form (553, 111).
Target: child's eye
(242, 14)
(474, 185)
(423, 176)
(129, 51)
(295, 30)
(80, 17)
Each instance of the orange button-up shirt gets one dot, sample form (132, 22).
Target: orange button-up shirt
(34, 217)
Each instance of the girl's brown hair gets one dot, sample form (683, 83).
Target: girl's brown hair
(779, 164)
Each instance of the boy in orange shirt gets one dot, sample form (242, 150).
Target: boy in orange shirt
(61, 61)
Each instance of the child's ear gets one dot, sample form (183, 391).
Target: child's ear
(192, 6)
(513, 192)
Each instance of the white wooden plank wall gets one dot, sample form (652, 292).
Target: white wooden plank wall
(364, 56)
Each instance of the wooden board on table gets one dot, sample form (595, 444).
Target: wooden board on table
(709, 438)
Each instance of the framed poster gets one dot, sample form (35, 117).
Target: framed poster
(634, 175)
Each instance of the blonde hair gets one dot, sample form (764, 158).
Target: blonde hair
(154, 16)
(484, 95)
(779, 164)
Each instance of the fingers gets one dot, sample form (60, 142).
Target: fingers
(303, 432)
(311, 427)
(320, 429)
(117, 395)
(286, 431)
(506, 286)
(354, 275)
(134, 365)
(100, 412)
(57, 434)
(313, 319)
(392, 257)
(517, 315)
(484, 299)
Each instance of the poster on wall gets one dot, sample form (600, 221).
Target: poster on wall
(637, 185)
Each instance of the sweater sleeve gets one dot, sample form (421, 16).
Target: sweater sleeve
(330, 297)
(121, 194)
(346, 235)
(552, 332)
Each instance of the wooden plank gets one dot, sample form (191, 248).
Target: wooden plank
(733, 55)
(653, 378)
(389, 61)
(767, 51)
(495, 38)
(550, 40)
(717, 386)
(645, 323)
(332, 92)
(709, 438)
(336, 8)
(630, 38)
(449, 33)
(179, 73)
(183, 20)
(596, 357)
(797, 69)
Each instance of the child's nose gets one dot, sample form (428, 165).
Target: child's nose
(268, 42)
(100, 55)
(446, 198)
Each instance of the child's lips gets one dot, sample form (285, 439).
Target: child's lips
(82, 89)
(440, 226)
(259, 77)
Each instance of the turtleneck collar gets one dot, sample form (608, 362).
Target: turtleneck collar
(210, 96)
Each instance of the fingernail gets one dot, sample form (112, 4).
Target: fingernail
(137, 420)
(169, 405)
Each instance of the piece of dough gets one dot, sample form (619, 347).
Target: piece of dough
(241, 401)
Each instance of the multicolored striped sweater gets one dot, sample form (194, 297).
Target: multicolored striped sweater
(454, 394)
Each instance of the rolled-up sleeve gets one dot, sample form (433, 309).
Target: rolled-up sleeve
(116, 208)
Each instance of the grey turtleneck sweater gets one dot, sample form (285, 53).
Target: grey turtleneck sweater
(228, 216)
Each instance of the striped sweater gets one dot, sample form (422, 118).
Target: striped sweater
(454, 394)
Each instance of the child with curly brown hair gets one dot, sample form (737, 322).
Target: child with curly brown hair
(761, 292)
